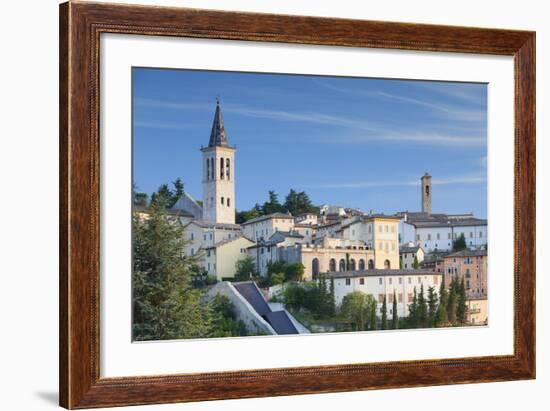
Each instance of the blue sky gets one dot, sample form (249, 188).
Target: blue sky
(354, 142)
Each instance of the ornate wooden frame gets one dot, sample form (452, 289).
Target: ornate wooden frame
(80, 27)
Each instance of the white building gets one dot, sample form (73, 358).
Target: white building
(264, 227)
(265, 252)
(202, 234)
(408, 253)
(380, 283)
(221, 258)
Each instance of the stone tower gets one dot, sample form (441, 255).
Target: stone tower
(426, 191)
(218, 177)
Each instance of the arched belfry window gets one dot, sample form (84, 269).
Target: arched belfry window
(228, 169)
(221, 168)
(212, 169)
(207, 169)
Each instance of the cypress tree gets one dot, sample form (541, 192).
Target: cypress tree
(461, 307)
(422, 309)
(384, 324)
(395, 318)
(432, 306)
(413, 311)
(451, 304)
(441, 318)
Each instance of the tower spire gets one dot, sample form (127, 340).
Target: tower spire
(217, 135)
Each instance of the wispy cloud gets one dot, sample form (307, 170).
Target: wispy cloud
(401, 183)
(362, 130)
(167, 126)
(450, 111)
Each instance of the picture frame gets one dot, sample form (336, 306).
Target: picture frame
(81, 24)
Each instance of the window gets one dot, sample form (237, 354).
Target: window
(405, 265)
(387, 264)
(370, 229)
(332, 265)
(418, 237)
(362, 281)
(380, 281)
(361, 264)
(342, 265)
(208, 169)
(227, 168)
(380, 298)
(352, 265)
(315, 267)
(400, 280)
(222, 200)
(438, 236)
(371, 264)
(348, 281)
(429, 237)
(192, 236)
(409, 297)
(410, 280)
(480, 234)
(400, 298)
(208, 266)
(192, 251)
(390, 298)
(228, 202)
(221, 168)
(211, 236)
(204, 237)
(471, 235)
(208, 253)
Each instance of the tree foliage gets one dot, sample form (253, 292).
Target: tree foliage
(166, 197)
(357, 308)
(395, 317)
(245, 269)
(165, 304)
(460, 243)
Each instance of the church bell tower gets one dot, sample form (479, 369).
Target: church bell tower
(218, 177)
(426, 187)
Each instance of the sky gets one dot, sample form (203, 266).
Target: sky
(353, 142)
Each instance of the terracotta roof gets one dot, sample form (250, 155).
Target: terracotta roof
(268, 217)
(468, 253)
(378, 273)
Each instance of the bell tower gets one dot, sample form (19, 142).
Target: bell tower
(218, 177)
(426, 192)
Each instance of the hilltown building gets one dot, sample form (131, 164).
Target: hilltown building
(380, 283)
(408, 254)
(470, 265)
(338, 240)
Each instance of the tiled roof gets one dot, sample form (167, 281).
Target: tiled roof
(468, 253)
(227, 241)
(213, 224)
(378, 273)
(268, 217)
(217, 135)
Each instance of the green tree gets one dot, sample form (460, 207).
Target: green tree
(178, 190)
(432, 306)
(299, 203)
(460, 243)
(441, 318)
(412, 320)
(224, 321)
(461, 305)
(294, 296)
(141, 199)
(356, 309)
(272, 205)
(415, 263)
(384, 323)
(452, 303)
(245, 269)
(395, 317)
(294, 272)
(332, 299)
(422, 309)
(165, 304)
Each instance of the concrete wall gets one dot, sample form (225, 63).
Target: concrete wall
(244, 311)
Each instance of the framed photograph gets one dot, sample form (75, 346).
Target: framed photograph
(260, 205)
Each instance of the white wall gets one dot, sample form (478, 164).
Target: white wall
(28, 166)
